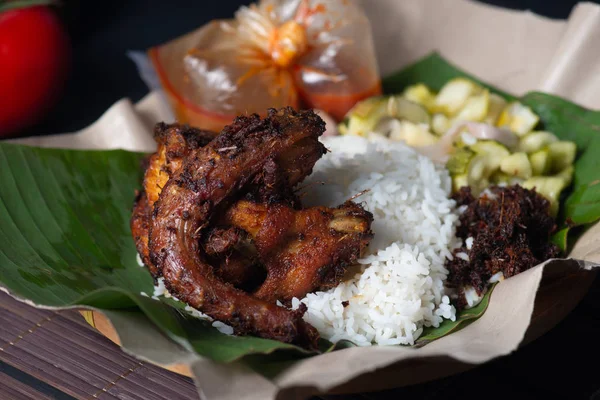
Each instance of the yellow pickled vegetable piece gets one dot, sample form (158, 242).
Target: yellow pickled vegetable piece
(454, 94)
(518, 118)
(366, 115)
(540, 162)
(497, 104)
(517, 165)
(440, 124)
(562, 155)
(475, 108)
(413, 134)
(536, 141)
(420, 94)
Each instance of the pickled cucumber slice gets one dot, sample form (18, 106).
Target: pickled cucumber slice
(479, 171)
(459, 161)
(412, 134)
(420, 94)
(487, 161)
(562, 155)
(440, 124)
(490, 147)
(400, 108)
(518, 118)
(367, 114)
(496, 105)
(454, 94)
(343, 126)
(475, 108)
(501, 178)
(364, 116)
(517, 165)
(540, 162)
(536, 141)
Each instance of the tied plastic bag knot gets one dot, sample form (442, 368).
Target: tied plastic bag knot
(288, 44)
(299, 53)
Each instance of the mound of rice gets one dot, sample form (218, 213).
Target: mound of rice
(399, 289)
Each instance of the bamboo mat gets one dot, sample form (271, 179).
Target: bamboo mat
(46, 355)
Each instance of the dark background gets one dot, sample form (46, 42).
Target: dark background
(558, 365)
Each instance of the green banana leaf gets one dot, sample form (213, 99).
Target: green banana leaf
(65, 239)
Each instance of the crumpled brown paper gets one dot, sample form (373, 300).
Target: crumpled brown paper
(515, 51)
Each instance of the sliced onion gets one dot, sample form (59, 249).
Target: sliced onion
(487, 132)
(440, 152)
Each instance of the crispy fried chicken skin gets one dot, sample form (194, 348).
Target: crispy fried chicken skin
(302, 250)
(174, 143)
(140, 225)
(219, 219)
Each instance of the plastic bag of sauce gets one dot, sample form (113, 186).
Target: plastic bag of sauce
(302, 53)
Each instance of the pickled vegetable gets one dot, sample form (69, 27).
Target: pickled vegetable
(497, 104)
(536, 141)
(479, 171)
(518, 118)
(540, 162)
(491, 148)
(440, 124)
(412, 134)
(475, 109)
(562, 155)
(480, 137)
(365, 116)
(459, 181)
(420, 94)
(458, 163)
(454, 94)
(517, 165)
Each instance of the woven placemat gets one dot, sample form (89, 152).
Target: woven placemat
(48, 355)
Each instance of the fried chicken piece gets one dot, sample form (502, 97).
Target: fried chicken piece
(209, 178)
(175, 142)
(303, 250)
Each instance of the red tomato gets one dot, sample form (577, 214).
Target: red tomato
(34, 56)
